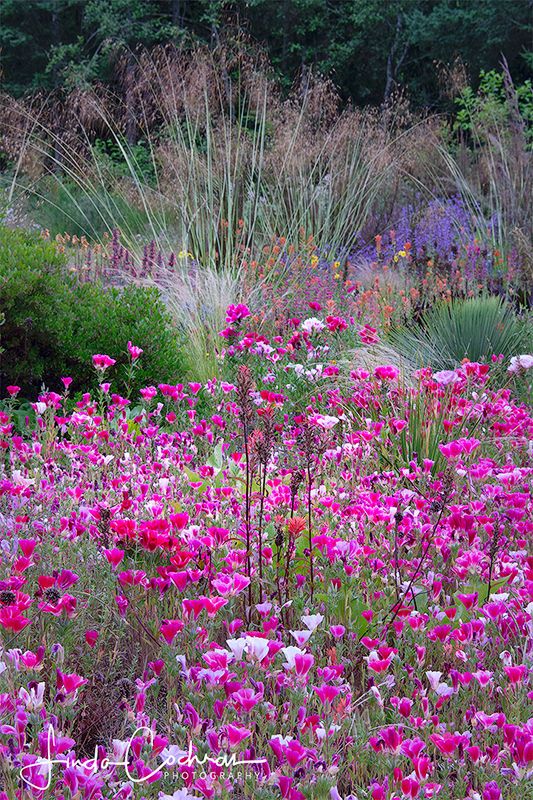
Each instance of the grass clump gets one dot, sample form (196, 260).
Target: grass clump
(473, 329)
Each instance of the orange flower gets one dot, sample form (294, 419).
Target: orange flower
(296, 526)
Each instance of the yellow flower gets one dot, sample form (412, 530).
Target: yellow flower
(337, 276)
(402, 253)
(337, 264)
(396, 258)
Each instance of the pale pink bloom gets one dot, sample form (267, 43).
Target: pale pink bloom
(312, 621)
(324, 421)
(445, 377)
(434, 679)
(301, 637)
(312, 324)
(483, 677)
(524, 361)
(34, 700)
(230, 585)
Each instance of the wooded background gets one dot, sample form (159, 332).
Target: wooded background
(369, 48)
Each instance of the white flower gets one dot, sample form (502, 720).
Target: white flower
(290, 652)
(313, 621)
(313, 324)
(179, 794)
(237, 647)
(524, 361)
(256, 646)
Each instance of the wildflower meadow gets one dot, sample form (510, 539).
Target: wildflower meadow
(266, 445)
(309, 576)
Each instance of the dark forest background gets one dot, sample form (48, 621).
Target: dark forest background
(369, 48)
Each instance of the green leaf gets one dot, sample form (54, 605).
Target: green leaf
(216, 459)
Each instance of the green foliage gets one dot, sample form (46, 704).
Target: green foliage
(490, 106)
(474, 329)
(30, 285)
(54, 324)
(139, 157)
(369, 47)
(81, 208)
(99, 319)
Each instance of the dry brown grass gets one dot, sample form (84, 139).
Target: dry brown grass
(227, 146)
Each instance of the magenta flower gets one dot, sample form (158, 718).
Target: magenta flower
(91, 637)
(114, 556)
(148, 392)
(68, 686)
(447, 743)
(171, 628)
(515, 674)
(294, 752)
(387, 372)
(236, 735)
(32, 661)
(102, 362)
(230, 585)
(134, 351)
(326, 692)
(122, 603)
(13, 390)
(369, 335)
(131, 577)
(228, 333)
(245, 699)
(468, 600)
(303, 663)
(238, 312)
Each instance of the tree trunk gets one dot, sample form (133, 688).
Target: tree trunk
(131, 123)
(56, 117)
(286, 34)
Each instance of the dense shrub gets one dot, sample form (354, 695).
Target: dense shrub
(30, 297)
(99, 319)
(54, 324)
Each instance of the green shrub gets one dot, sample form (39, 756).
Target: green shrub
(101, 319)
(54, 324)
(30, 298)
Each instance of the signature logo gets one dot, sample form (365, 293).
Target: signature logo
(44, 766)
